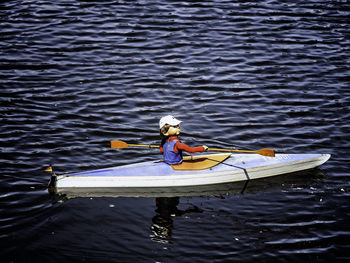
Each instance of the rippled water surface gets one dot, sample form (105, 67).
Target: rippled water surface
(245, 74)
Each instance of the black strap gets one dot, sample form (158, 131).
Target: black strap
(245, 171)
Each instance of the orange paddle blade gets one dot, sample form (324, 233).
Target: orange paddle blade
(266, 152)
(48, 169)
(118, 144)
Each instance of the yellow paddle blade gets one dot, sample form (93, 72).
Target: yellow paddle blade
(118, 144)
(48, 169)
(266, 152)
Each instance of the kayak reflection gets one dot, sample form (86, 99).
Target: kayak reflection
(162, 222)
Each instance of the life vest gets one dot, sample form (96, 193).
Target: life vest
(169, 156)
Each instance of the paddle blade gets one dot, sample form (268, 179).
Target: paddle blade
(118, 144)
(266, 152)
(48, 169)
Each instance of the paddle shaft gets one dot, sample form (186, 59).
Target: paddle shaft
(141, 145)
(230, 150)
(209, 149)
(121, 145)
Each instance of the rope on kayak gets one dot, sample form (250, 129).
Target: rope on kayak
(244, 170)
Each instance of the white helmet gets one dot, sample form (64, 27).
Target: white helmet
(169, 119)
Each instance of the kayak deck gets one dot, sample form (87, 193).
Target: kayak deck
(233, 168)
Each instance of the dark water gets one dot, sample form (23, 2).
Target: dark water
(76, 74)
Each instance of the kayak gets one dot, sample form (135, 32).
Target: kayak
(200, 170)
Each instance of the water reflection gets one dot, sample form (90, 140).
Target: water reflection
(167, 207)
(162, 222)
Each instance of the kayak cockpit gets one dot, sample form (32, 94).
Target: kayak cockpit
(201, 162)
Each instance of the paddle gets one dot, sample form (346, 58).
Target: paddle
(122, 145)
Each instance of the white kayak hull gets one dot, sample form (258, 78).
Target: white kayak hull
(157, 174)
